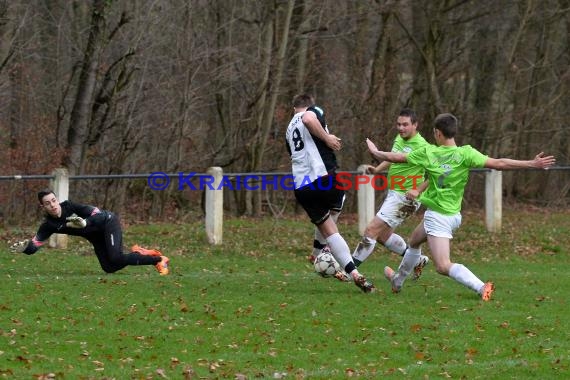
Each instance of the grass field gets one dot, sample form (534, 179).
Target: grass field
(253, 308)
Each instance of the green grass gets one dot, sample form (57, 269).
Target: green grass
(252, 308)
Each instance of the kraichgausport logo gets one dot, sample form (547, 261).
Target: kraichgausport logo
(343, 181)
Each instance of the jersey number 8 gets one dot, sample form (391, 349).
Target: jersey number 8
(298, 140)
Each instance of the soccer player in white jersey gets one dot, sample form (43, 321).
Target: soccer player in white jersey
(313, 161)
(405, 183)
(319, 241)
(447, 166)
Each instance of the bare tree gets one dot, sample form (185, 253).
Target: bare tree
(120, 87)
(80, 115)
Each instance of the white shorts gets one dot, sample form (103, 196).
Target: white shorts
(440, 225)
(390, 210)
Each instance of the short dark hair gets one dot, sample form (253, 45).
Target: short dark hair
(408, 112)
(447, 124)
(43, 193)
(303, 101)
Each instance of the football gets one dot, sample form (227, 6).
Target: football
(325, 264)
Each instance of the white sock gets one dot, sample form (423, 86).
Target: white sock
(396, 244)
(464, 276)
(408, 262)
(364, 248)
(339, 249)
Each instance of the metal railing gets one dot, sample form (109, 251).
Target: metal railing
(214, 197)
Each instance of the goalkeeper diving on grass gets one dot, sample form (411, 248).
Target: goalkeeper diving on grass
(100, 227)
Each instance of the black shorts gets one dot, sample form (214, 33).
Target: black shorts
(321, 197)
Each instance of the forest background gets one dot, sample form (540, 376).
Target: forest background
(115, 87)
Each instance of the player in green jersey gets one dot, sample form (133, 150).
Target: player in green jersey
(400, 201)
(447, 166)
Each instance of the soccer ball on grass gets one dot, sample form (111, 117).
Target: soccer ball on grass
(325, 264)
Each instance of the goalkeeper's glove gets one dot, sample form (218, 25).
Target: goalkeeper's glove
(75, 221)
(19, 247)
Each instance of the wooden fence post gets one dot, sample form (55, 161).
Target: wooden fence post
(60, 186)
(493, 200)
(365, 196)
(215, 207)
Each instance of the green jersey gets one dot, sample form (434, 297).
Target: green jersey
(406, 176)
(448, 171)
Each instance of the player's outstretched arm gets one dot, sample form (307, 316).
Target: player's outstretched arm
(540, 161)
(381, 167)
(385, 156)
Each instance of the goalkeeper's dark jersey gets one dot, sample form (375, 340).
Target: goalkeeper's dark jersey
(94, 217)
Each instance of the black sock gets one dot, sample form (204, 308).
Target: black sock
(349, 267)
(318, 245)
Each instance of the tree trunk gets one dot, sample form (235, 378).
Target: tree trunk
(80, 115)
(268, 91)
